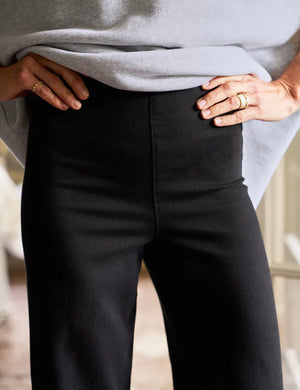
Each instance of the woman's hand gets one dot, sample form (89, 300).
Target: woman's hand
(268, 101)
(17, 80)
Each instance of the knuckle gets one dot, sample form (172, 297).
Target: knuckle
(239, 116)
(48, 94)
(247, 77)
(253, 89)
(23, 77)
(55, 80)
(32, 54)
(234, 101)
(76, 77)
(52, 99)
(73, 78)
(29, 60)
(227, 86)
(63, 73)
(67, 73)
(258, 98)
(254, 75)
(76, 82)
(68, 95)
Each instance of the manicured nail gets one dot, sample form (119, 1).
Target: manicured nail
(218, 120)
(76, 103)
(206, 112)
(201, 103)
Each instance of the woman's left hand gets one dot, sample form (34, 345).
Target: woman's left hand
(267, 101)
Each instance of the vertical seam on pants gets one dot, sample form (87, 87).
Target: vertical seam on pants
(153, 166)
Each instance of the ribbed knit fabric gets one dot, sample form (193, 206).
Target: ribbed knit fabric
(159, 45)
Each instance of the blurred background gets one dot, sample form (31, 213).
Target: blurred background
(279, 218)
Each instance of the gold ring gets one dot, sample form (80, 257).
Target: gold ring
(244, 102)
(36, 84)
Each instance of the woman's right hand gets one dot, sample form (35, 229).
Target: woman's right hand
(17, 80)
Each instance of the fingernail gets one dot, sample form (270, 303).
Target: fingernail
(201, 103)
(85, 93)
(76, 103)
(64, 106)
(206, 112)
(205, 84)
(218, 120)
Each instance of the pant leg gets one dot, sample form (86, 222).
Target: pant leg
(208, 262)
(86, 215)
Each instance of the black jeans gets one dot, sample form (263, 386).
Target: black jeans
(132, 176)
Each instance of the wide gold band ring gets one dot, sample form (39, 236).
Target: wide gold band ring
(36, 84)
(244, 102)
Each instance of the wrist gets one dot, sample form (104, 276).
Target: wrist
(292, 88)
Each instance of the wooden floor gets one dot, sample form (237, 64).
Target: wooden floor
(151, 367)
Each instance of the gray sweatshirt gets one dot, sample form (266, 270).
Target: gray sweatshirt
(159, 45)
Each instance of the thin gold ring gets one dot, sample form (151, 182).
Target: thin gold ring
(244, 102)
(36, 84)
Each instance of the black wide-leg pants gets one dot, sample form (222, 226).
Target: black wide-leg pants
(141, 175)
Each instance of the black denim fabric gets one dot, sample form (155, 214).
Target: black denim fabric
(141, 175)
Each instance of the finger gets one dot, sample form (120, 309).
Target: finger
(228, 89)
(218, 80)
(230, 104)
(73, 79)
(55, 83)
(43, 91)
(238, 117)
